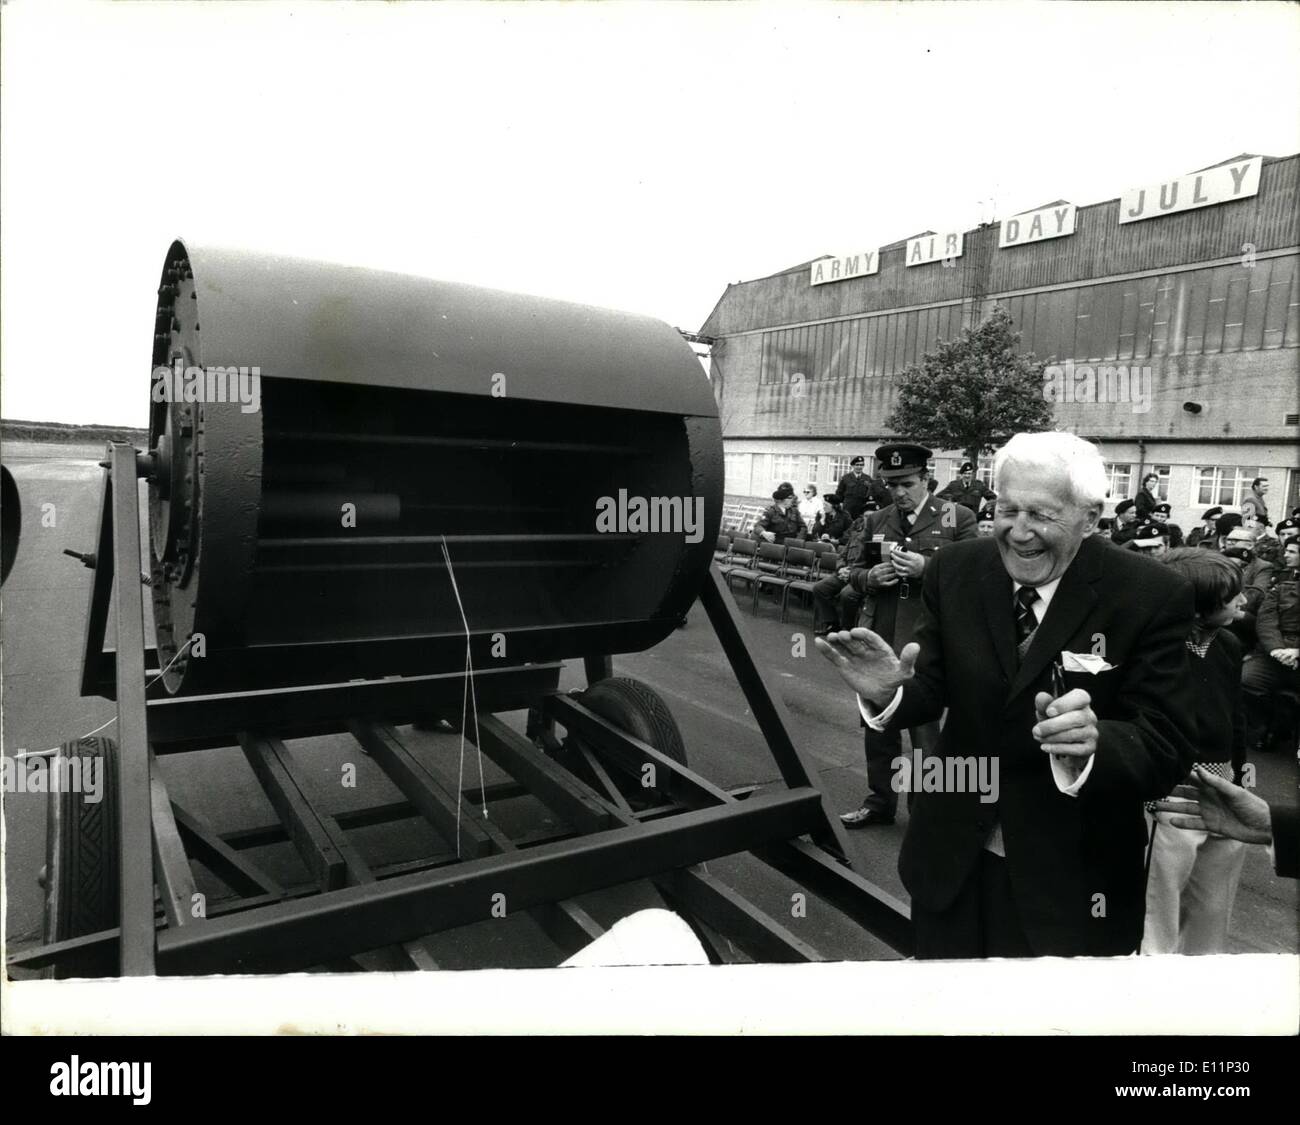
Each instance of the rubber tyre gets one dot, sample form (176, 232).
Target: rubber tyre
(637, 709)
(82, 864)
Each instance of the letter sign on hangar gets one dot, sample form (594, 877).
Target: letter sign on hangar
(849, 265)
(1053, 221)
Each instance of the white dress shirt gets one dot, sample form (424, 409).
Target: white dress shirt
(1068, 774)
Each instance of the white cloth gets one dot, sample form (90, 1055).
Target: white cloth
(648, 937)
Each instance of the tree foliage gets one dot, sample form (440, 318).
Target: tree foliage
(974, 392)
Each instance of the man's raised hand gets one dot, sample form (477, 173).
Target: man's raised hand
(868, 663)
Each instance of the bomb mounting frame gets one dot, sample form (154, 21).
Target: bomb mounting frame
(379, 680)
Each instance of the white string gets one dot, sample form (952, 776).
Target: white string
(468, 698)
(147, 686)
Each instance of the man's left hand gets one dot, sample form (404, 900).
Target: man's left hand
(907, 564)
(1067, 725)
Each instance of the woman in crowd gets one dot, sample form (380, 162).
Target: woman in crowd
(1192, 879)
(1148, 498)
(832, 526)
(810, 506)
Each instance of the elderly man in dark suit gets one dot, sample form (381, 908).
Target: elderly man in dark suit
(1062, 664)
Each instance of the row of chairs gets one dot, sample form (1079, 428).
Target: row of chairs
(793, 566)
(737, 517)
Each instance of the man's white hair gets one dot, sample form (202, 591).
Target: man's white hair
(1050, 454)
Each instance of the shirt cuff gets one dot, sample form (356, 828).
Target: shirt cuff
(1068, 776)
(881, 721)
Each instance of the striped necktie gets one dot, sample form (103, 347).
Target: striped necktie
(1026, 622)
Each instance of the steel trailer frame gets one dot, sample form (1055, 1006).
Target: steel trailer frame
(354, 910)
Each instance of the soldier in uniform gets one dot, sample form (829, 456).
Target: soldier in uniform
(1274, 668)
(1160, 515)
(1126, 522)
(833, 523)
(780, 520)
(1149, 539)
(1205, 535)
(967, 491)
(837, 600)
(903, 537)
(856, 489)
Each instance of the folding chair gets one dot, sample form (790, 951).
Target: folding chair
(800, 564)
(825, 567)
(742, 561)
(770, 562)
(722, 550)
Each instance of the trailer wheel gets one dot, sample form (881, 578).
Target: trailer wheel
(639, 710)
(82, 862)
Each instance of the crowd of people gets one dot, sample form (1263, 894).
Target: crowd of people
(1120, 675)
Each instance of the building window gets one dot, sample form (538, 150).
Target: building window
(787, 466)
(1119, 478)
(839, 466)
(1223, 485)
(736, 467)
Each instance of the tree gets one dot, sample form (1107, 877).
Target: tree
(974, 392)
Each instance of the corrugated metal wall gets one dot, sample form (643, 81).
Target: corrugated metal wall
(1196, 312)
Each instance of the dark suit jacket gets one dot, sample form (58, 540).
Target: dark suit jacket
(1286, 840)
(937, 523)
(1062, 852)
